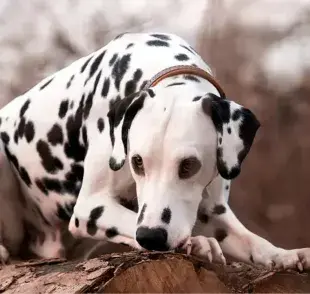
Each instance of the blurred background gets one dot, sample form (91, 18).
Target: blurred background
(259, 51)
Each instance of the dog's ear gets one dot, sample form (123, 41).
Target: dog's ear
(236, 128)
(121, 115)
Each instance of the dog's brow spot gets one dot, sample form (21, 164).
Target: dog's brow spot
(219, 209)
(251, 258)
(77, 222)
(220, 235)
(166, 215)
(229, 130)
(197, 98)
(111, 232)
(141, 216)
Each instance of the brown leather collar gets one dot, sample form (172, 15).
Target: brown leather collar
(181, 70)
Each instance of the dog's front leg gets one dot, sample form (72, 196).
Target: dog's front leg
(217, 219)
(97, 213)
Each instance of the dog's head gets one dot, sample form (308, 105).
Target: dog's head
(175, 146)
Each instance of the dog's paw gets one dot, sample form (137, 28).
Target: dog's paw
(304, 257)
(4, 255)
(276, 258)
(206, 248)
(49, 246)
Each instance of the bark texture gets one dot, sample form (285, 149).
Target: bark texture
(133, 272)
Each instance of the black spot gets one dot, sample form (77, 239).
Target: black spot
(119, 69)
(181, 57)
(229, 130)
(77, 222)
(131, 85)
(151, 92)
(176, 84)
(50, 163)
(220, 235)
(41, 186)
(202, 215)
(188, 49)
(120, 35)
(88, 105)
(161, 37)
(95, 65)
(24, 108)
(227, 187)
(63, 108)
(166, 215)
(113, 59)
(130, 114)
(219, 209)
(157, 43)
(52, 184)
(236, 115)
(62, 213)
(191, 78)
(111, 232)
(96, 82)
(106, 87)
(251, 258)
(73, 148)
(25, 176)
(71, 104)
(1, 121)
(86, 63)
(197, 98)
(73, 179)
(5, 138)
(115, 101)
(11, 157)
(29, 131)
(92, 222)
(55, 135)
(220, 140)
(21, 127)
(70, 82)
(100, 124)
(46, 84)
(141, 215)
(129, 45)
(143, 85)
(84, 136)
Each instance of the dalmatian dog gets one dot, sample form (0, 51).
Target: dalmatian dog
(144, 110)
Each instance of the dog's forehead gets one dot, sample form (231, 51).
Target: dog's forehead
(171, 124)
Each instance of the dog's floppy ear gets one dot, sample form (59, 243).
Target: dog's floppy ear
(236, 128)
(120, 117)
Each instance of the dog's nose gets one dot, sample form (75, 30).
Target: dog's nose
(152, 239)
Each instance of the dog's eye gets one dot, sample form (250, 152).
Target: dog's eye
(189, 167)
(137, 164)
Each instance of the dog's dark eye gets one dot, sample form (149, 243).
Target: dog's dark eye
(189, 167)
(137, 164)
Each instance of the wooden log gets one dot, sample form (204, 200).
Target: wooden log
(147, 272)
